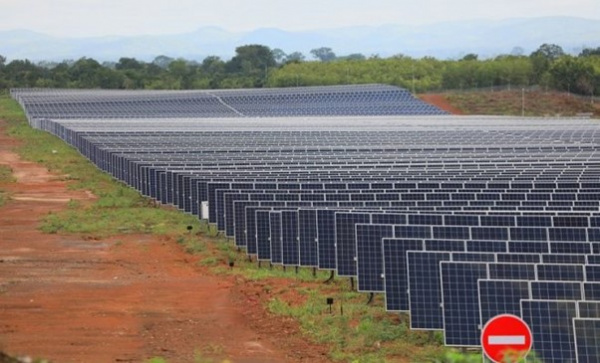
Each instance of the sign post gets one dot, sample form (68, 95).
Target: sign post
(506, 338)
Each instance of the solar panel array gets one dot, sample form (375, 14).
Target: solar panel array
(454, 219)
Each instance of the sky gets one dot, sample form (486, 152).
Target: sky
(84, 18)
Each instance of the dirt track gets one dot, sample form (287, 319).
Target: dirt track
(123, 299)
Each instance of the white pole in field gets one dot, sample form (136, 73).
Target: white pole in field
(523, 102)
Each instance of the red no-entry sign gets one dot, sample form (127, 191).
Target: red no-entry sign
(506, 338)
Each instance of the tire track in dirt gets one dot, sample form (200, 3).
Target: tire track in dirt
(122, 299)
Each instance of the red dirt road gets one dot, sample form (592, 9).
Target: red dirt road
(124, 299)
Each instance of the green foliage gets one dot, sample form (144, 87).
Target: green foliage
(362, 333)
(258, 66)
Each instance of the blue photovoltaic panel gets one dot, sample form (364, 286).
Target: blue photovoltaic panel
(587, 336)
(512, 271)
(326, 239)
(588, 309)
(424, 289)
(345, 241)
(591, 291)
(289, 238)
(369, 250)
(593, 259)
(592, 273)
(519, 257)
(250, 226)
(263, 235)
(307, 234)
(444, 246)
(243, 230)
(498, 297)
(487, 246)
(559, 272)
(275, 224)
(556, 290)
(473, 256)
(570, 248)
(551, 324)
(396, 271)
(460, 302)
(552, 258)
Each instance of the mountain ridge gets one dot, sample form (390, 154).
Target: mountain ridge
(447, 40)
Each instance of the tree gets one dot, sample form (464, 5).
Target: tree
(295, 57)
(587, 52)
(573, 74)
(2, 61)
(162, 61)
(84, 73)
(213, 65)
(324, 54)
(517, 51)
(128, 64)
(549, 51)
(355, 56)
(279, 55)
(251, 60)
(470, 57)
(542, 60)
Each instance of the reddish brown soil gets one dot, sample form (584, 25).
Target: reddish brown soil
(441, 102)
(123, 299)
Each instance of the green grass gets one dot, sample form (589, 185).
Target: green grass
(363, 333)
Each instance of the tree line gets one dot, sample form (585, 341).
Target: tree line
(255, 66)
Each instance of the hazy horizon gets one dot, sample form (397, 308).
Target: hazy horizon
(101, 18)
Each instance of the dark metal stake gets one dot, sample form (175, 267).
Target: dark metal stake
(330, 279)
(371, 296)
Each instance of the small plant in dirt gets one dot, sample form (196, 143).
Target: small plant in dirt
(6, 174)
(4, 198)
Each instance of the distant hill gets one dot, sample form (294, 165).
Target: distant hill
(441, 40)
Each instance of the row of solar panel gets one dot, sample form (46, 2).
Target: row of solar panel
(350, 100)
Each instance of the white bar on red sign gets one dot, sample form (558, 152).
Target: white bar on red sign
(506, 339)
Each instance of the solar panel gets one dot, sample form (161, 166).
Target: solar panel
(498, 297)
(345, 245)
(460, 302)
(276, 237)
(396, 271)
(263, 235)
(369, 250)
(424, 293)
(289, 238)
(307, 237)
(587, 336)
(556, 290)
(551, 324)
